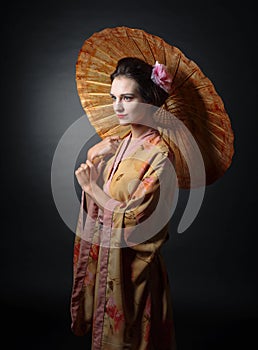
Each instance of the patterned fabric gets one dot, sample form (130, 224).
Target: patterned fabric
(120, 291)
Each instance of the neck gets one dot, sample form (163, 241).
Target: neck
(138, 130)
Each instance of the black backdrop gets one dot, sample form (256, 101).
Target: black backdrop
(213, 265)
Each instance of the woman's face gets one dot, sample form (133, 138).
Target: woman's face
(127, 102)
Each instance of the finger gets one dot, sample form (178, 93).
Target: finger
(114, 138)
(89, 163)
(115, 142)
(78, 172)
(79, 169)
(83, 166)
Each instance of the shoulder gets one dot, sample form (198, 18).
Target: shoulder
(159, 144)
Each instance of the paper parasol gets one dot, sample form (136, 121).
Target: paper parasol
(193, 100)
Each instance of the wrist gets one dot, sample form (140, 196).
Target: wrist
(94, 186)
(87, 189)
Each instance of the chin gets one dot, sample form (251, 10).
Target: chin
(124, 122)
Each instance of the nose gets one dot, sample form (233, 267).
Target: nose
(118, 106)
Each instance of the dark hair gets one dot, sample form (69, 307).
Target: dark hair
(140, 71)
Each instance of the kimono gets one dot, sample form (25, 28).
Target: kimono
(120, 287)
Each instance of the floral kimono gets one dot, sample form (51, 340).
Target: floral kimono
(120, 291)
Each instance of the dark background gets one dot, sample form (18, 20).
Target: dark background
(213, 265)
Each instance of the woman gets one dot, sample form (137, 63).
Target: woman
(121, 288)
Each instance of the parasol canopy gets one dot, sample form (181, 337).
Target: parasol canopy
(193, 100)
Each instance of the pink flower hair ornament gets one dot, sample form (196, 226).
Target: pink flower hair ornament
(161, 76)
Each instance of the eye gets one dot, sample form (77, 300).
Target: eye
(128, 98)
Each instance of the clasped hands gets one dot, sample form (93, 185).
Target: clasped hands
(88, 173)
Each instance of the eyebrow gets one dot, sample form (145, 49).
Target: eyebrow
(126, 94)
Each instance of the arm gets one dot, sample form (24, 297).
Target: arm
(87, 175)
(104, 148)
(153, 195)
(145, 196)
(95, 155)
(98, 195)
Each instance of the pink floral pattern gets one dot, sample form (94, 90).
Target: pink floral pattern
(112, 295)
(94, 251)
(114, 313)
(76, 252)
(161, 76)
